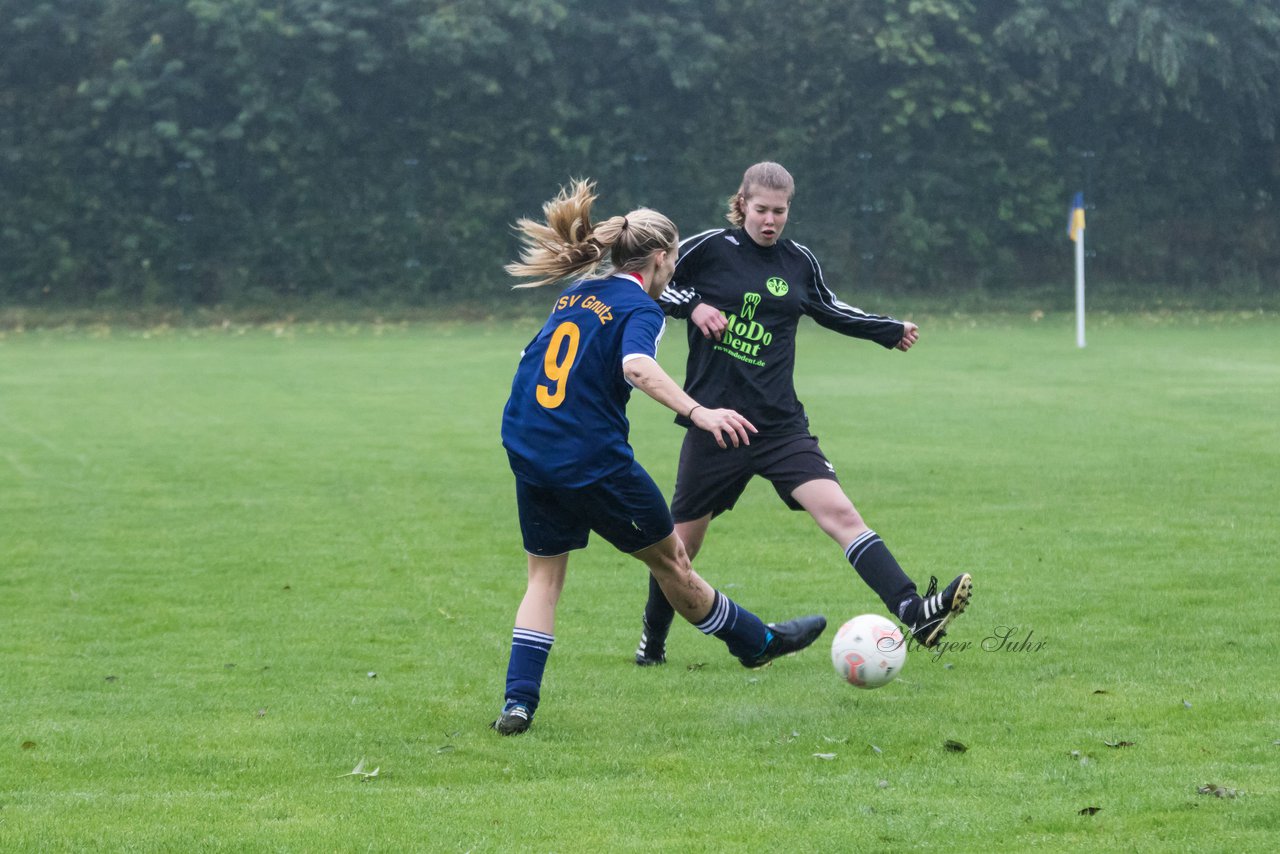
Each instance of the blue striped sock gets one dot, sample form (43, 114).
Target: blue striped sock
(529, 651)
(742, 631)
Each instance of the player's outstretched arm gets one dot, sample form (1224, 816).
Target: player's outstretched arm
(644, 373)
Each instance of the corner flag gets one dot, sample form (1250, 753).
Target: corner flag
(1075, 225)
(1075, 230)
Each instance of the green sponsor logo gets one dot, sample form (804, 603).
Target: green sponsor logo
(777, 287)
(743, 335)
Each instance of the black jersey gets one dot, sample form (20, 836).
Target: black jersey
(762, 292)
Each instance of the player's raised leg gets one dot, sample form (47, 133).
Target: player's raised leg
(926, 617)
(711, 612)
(658, 612)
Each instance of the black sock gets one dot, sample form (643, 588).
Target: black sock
(873, 561)
(658, 615)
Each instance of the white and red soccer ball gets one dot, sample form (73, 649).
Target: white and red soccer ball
(869, 651)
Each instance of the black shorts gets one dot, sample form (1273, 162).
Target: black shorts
(710, 478)
(626, 509)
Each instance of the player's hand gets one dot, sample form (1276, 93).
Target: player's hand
(708, 319)
(910, 335)
(723, 423)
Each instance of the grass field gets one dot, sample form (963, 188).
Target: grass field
(235, 562)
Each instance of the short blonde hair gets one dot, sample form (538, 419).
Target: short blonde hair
(765, 175)
(567, 245)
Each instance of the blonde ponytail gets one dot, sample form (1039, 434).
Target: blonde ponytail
(567, 245)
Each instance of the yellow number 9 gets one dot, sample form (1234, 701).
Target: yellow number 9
(556, 368)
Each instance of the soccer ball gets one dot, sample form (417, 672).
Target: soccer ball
(868, 651)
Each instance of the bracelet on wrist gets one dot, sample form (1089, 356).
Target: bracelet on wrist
(695, 406)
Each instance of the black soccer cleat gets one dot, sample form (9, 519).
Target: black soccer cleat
(515, 719)
(652, 649)
(786, 638)
(932, 614)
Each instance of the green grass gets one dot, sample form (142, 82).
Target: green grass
(212, 539)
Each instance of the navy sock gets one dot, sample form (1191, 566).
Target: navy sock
(873, 561)
(658, 615)
(742, 631)
(529, 651)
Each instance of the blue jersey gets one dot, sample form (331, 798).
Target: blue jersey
(565, 424)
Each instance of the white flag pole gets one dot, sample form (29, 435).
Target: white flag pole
(1080, 287)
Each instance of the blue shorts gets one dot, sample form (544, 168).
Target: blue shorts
(627, 509)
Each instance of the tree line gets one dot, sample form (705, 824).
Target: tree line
(204, 151)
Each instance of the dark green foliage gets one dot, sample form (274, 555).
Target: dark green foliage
(202, 151)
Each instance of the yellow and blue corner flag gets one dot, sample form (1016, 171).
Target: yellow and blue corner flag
(1075, 224)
